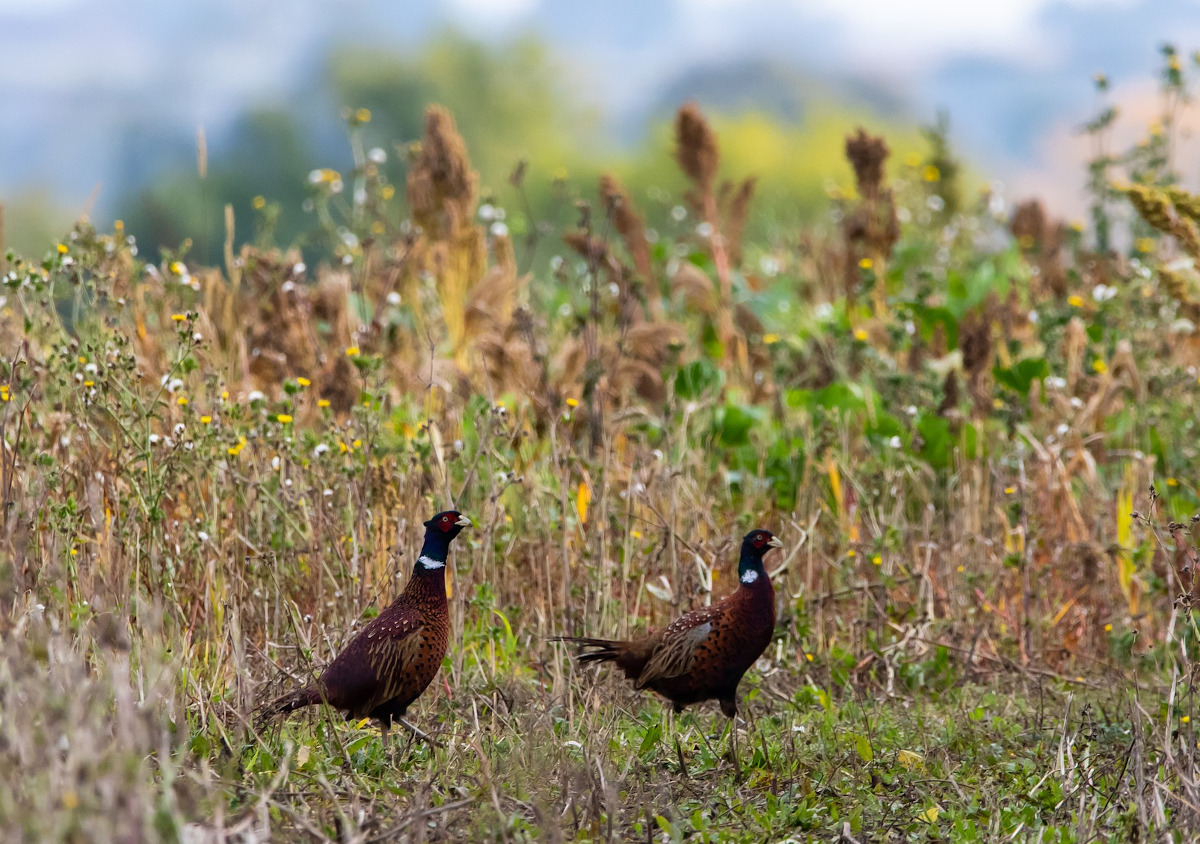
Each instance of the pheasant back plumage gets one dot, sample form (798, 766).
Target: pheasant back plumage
(703, 654)
(397, 655)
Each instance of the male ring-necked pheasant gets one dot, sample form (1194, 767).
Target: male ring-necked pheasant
(702, 655)
(396, 656)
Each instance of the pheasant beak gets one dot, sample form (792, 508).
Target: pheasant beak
(463, 521)
(775, 542)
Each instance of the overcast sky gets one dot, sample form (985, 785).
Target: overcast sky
(916, 31)
(912, 32)
(76, 74)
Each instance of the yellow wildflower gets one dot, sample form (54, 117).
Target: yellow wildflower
(62, 249)
(259, 203)
(284, 418)
(572, 402)
(1145, 244)
(866, 263)
(1100, 366)
(181, 401)
(931, 173)
(205, 420)
(1075, 301)
(179, 317)
(770, 339)
(303, 382)
(322, 402)
(860, 335)
(363, 115)
(352, 351)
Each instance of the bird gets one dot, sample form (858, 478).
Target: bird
(703, 654)
(396, 656)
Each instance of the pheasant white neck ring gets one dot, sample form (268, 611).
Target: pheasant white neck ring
(427, 562)
(749, 576)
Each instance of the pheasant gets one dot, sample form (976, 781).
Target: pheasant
(396, 656)
(702, 655)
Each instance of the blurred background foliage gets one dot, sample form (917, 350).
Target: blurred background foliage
(512, 106)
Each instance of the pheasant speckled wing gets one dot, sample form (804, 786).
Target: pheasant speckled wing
(391, 662)
(393, 650)
(703, 654)
(676, 655)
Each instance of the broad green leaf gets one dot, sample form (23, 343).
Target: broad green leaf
(1021, 375)
(653, 734)
(863, 745)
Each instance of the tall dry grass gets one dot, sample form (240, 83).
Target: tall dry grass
(211, 477)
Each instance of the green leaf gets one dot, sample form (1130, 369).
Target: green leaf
(848, 398)
(964, 292)
(653, 734)
(863, 745)
(1021, 375)
(733, 423)
(696, 379)
(939, 442)
(935, 434)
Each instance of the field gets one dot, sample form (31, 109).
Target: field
(973, 426)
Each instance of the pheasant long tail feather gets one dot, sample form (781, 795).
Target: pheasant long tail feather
(606, 650)
(308, 696)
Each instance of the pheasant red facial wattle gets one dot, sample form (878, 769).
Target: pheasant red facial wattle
(396, 656)
(702, 655)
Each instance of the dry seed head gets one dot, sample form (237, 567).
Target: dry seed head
(1187, 204)
(591, 248)
(1180, 290)
(1152, 205)
(441, 180)
(736, 216)
(628, 223)
(696, 147)
(867, 155)
(695, 288)
(1028, 225)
